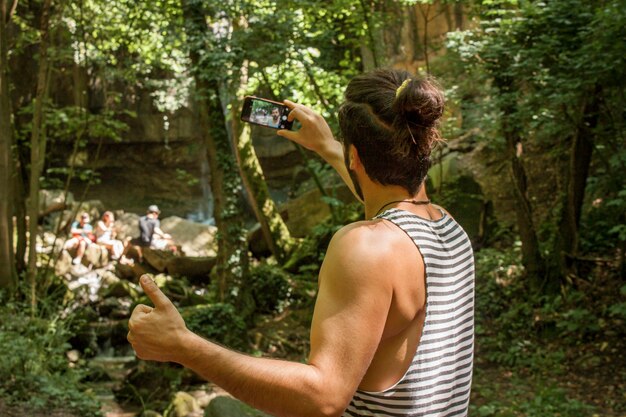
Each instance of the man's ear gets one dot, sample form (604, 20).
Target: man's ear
(355, 160)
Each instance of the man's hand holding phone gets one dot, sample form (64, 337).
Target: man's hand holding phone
(315, 134)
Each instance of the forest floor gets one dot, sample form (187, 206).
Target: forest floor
(593, 374)
(560, 390)
(576, 376)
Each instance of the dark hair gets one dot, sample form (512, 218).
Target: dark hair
(393, 126)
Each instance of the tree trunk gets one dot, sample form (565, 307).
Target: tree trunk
(232, 258)
(274, 228)
(7, 260)
(531, 255)
(37, 144)
(575, 181)
(19, 210)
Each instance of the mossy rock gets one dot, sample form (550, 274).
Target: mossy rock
(224, 406)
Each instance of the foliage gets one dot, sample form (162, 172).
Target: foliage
(270, 287)
(541, 78)
(522, 399)
(150, 385)
(219, 322)
(535, 338)
(307, 258)
(517, 327)
(34, 371)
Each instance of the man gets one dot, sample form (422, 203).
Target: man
(275, 118)
(82, 236)
(151, 234)
(377, 346)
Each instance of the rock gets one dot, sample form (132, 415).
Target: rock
(111, 335)
(64, 264)
(122, 289)
(86, 278)
(73, 355)
(66, 217)
(225, 406)
(158, 259)
(195, 239)
(202, 397)
(465, 199)
(132, 272)
(308, 210)
(115, 308)
(182, 405)
(96, 255)
(49, 198)
(95, 208)
(109, 278)
(301, 215)
(127, 226)
(79, 270)
(191, 267)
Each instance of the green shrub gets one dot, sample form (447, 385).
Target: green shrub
(34, 370)
(218, 322)
(150, 384)
(270, 287)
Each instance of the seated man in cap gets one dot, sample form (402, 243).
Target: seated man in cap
(151, 234)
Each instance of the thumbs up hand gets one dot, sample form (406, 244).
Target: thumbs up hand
(156, 333)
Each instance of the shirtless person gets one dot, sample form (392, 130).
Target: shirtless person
(392, 331)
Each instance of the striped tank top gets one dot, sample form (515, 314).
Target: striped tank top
(437, 382)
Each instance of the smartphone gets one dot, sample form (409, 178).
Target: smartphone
(264, 112)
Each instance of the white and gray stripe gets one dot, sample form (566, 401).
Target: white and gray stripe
(438, 381)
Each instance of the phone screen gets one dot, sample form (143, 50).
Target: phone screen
(265, 112)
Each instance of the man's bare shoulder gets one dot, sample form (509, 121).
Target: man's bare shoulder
(366, 247)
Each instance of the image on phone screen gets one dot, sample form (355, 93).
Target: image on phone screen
(266, 113)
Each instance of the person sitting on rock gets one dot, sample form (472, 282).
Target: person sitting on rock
(82, 236)
(106, 235)
(151, 234)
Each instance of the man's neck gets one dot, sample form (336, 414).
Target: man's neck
(378, 197)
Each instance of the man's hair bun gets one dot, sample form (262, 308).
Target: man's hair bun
(420, 103)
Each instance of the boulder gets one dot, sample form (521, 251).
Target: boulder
(158, 259)
(308, 210)
(183, 405)
(122, 289)
(63, 264)
(465, 199)
(96, 255)
(191, 267)
(94, 208)
(127, 226)
(225, 406)
(301, 215)
(48, 198)
(195, 239)
(109, 278)
(132, 272)
(65, 218)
